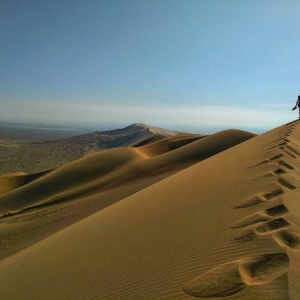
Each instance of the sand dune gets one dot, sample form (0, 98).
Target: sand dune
(154, 137)
(13, 181)
(10, 182)
(167, 144)
(227, 226)
(110, 168)
(35, 157)
(181, 138)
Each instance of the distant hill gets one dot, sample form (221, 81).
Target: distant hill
(39, 156)
(99, 140)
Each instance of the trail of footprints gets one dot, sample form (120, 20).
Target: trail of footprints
(271, 219)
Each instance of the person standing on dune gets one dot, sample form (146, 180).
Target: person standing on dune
(297, 105)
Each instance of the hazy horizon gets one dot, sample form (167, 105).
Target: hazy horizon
(184, 65)
(81, 128)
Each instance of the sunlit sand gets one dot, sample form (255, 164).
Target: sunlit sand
(167, 217)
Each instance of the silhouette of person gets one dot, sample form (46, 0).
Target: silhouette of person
(297, 105)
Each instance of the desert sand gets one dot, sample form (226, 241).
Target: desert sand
(34, 153)
(178, 218)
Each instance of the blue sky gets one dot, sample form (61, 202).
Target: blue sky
(190, 64)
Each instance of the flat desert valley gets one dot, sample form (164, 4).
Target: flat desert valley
(148, 213)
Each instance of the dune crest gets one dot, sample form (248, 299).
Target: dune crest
(277, 216)
(112, 167)
(10, 182)
(227, 226)
(38, 156)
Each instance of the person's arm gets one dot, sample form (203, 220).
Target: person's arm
(296, 105)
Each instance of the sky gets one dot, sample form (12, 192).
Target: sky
(197, 65)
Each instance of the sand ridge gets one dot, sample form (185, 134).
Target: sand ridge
(177, 238)
(112, 167)
(10, 182)
(34, 155)
(277, 215)
(167, 144)
(13, 181)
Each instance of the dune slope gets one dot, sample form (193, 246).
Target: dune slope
(225, 227)
(110, 168)
(10, 182)
(34, 157)
(13, 181)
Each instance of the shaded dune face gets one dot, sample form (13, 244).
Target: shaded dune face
(116, 166)
(166, 144)
(154, 137)
(11, 181)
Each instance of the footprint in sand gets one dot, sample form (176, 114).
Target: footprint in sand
(250, 220)
(287, 239)
(279, 171)
(230, 278)
(293, 150)
(276, 157)
(285, 164)
(245, 235)
(259, 198)
(265, 161)
(288, 153)
(263, 216)
(286, 184)
(273, 225)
